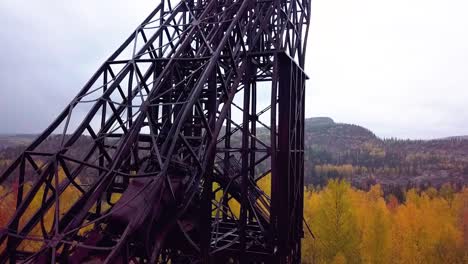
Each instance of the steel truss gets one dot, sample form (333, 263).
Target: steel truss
(200, 103)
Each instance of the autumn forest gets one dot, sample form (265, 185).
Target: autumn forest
(355, 226)
(367, 200)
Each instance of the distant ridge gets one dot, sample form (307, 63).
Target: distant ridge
(456, 137)
(319, 121)
(12, 140)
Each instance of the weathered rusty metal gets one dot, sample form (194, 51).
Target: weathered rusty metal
(202, 101)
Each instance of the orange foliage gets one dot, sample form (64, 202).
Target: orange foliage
(430, 227)
(8, 203)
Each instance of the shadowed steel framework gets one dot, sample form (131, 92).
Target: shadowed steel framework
(200, 104)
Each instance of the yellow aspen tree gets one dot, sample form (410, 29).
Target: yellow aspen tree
(335, 224)
(309, 244)
(374, 227)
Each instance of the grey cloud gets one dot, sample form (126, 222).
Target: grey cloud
(397, 67)
(49, 50)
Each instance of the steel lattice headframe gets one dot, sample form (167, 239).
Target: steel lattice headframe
(202, 101)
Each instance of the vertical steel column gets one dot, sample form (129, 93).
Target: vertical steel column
(208, 195)
(245, 152)
(287, 159)
(300, 168)
(283, 178)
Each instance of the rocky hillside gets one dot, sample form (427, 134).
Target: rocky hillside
(344, 150)
(323, 132)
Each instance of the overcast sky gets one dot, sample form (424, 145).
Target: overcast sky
(397, 67)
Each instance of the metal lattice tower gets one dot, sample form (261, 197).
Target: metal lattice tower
(204, 100)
